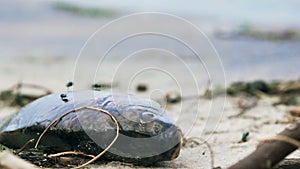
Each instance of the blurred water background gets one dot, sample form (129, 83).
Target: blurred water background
(55, 30)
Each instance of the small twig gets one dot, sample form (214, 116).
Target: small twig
(212, 162)
(70, 153)
(34, 86)
(14, 96)
(25, 146)
(113, 141)
(51, 124)
(78, 109)
(119, 163)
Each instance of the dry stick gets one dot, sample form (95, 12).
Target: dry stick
(34, 86)
(70, 153)
(51, 124)
(25, 146)
(17, 87)
(78, 109)
(272, 150)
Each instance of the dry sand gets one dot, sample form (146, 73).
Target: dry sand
(262, 121)
(39, 46)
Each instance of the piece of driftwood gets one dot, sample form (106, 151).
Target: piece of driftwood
(295, 111)
(271, 151)
(10, 161)
(291, 163)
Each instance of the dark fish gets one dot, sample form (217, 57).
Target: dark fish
(147, 135)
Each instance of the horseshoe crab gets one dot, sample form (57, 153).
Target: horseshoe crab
(147, 135)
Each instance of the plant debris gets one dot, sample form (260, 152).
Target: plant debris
(84, 11)
(288, 92)
(14, 97)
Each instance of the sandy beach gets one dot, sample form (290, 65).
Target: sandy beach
(45, 47)
(214, 125)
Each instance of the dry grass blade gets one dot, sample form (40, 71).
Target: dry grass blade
(78, 109)
(70, 153)
(51, 124)
(18, 86)
(25, 146)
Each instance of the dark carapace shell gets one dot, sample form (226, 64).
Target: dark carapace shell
(147, 135)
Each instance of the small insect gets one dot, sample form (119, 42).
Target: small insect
(147, 134)
(69, 84)
(63, 97)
